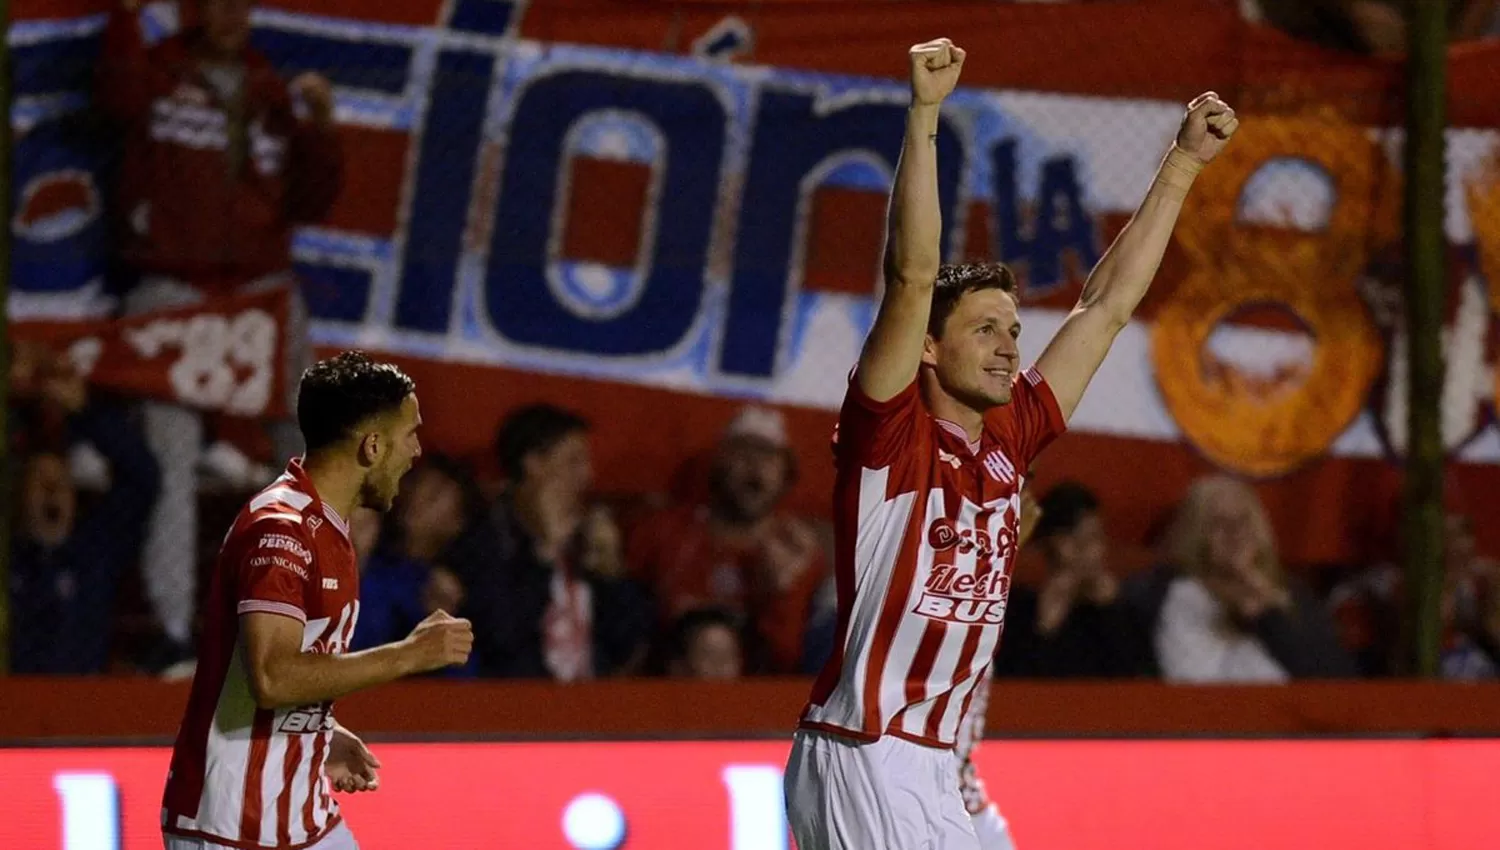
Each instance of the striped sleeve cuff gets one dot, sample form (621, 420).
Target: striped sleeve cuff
(261, 606)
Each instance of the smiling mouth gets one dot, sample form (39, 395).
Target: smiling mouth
(999, 373)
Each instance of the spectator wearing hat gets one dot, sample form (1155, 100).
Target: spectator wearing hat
(736, 552)
(1075, 625)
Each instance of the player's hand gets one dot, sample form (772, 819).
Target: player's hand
(351, 767)
(315, 90)
(441, 640)
(935, 67)
(1207, 127)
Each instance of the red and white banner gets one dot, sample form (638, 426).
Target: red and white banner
(631, 208)
(1079, 795)
(226, 355)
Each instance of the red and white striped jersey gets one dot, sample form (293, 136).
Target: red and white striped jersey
(246, 776)
(925, 527)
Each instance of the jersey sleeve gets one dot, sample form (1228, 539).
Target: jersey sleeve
(873, 433)
(1033, 418)
(273, 569)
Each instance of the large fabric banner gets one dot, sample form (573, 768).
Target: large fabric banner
(615, 203)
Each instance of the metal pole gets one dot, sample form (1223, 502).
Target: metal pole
(6, 461)
(1422, 517)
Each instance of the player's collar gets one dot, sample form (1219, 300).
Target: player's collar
(957, 431)
(295, 469)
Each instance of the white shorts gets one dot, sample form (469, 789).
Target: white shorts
(338, 838)
(887, 795)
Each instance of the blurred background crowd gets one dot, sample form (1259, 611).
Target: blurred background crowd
(119, 503)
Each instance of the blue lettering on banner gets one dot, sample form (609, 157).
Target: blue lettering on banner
(793, 139)
(1058, 225)
(713, 300)
(521, 303)
(444, 180)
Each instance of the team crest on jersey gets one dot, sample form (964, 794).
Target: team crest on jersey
(999, 467)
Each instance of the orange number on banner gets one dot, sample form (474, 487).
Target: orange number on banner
(213, 351)
(1238, 423)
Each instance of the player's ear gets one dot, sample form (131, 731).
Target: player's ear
(929, 351)
(369, 448)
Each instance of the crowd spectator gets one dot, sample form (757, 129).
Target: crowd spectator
(543, 574)
(67, 557)
(1223, 610)
(736, 552)
(406, 578)
(1076, 625)
(1368, 610)
(221, 159)
(706, 645)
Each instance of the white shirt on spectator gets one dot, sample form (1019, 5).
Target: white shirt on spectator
(1196, 643)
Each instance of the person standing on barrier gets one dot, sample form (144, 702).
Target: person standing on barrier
(221, 159)
(937, 430)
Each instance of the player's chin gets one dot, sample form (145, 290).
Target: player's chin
(996, 392)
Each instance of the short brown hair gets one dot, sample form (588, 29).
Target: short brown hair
(956, 279)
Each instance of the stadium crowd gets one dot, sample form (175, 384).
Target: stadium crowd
(564, 585)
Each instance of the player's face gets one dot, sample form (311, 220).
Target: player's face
(401, 450)
(977, 356)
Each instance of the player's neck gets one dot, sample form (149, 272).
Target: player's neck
(337, 485)
(944, 406)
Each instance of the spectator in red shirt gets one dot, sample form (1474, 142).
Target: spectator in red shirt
(736, 552)
(221, 159)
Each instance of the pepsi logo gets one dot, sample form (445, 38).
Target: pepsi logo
(56, 205)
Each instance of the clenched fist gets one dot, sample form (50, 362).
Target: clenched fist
(439, 641)
(935, 67)
(1207, 127)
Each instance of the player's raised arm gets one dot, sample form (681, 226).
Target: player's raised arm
(1123, 275)
(913, 248)
(282, 675)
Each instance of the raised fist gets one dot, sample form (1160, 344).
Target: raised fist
(935, 66)
(440, 640)
(1207, 127)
